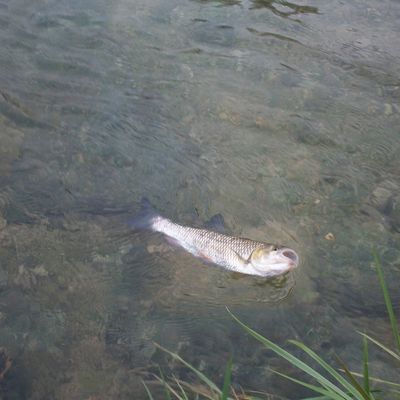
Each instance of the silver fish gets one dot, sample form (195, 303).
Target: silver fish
(233, 253)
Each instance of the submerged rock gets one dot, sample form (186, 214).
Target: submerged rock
(382, 194)
(385, 199)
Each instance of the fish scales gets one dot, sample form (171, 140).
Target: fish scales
(225, 250)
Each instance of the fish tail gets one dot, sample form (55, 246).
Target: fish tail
(145, 218)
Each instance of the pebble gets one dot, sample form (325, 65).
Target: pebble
(382, 194)
(223, 116)
(40, 271)
(329, 236)
(388, 109)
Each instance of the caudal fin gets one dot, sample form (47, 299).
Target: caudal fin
(145, 217)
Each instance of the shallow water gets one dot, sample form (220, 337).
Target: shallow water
(281, 116)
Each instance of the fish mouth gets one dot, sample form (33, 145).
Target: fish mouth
(277, 262)
(290, 257)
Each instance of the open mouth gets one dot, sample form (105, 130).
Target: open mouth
(292, 256)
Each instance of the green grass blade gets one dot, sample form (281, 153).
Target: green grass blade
(383, 347)
(327, 394)
(388, 302)
(147, 391)
(203, 377)
(377, 380)
(294, 360)
(353, 380)
(197, 391)
(181, 388)
(318, 398)
(227, 380)
(365, 365)
(163, 381)
(347, 385)
(168, 388)
(248, 393)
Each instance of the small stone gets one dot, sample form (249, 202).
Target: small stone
(388, 109)
(382, 194)
(260, 122)
(151, 248)
(223, 116)
(202, 365)
(317, 201)
(157, 248)
(329, 236)
(40, 271)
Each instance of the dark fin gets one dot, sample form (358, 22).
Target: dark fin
(216, 223)
(172, 241)
(144, 218)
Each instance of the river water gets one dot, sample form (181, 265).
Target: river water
(282, 116)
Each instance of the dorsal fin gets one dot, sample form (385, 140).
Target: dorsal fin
(216, 223)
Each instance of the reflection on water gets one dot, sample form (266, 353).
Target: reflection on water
(281, 116)
(278, 7)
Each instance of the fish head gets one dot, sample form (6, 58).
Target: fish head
(271, 260)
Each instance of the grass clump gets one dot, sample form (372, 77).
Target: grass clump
(330, 384)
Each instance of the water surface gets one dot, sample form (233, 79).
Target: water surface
(281, 116)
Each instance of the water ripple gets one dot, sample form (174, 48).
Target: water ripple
(281, 116)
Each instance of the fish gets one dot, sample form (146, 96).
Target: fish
(236, 254)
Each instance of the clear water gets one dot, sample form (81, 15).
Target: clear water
(282, 116)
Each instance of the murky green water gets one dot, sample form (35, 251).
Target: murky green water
(282, 116)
